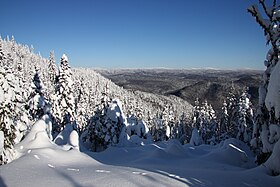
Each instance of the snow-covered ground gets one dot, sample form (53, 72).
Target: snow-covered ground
(43, 163)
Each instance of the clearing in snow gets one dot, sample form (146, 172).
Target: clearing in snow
(43, 163)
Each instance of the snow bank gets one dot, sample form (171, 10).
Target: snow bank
(35, 139)
(175, 148)
(63, 137)
(232, 152)
(74, 139)
(196, 138)
(68, 138)
(163, 164)
(273, 163)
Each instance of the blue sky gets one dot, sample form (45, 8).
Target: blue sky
(139, 33)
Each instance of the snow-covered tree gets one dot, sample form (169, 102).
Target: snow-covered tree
(204, 120)
(2, 55)
(52, 75)
(105, 127)
(52, 68)
(224, 122)
(158, 130)
(64, 104)
(13, 44)
(37, 104)
(137, 127)
(9, 97)
(245, 118)
(81, 104)
(267, 127)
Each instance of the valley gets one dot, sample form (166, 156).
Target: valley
(205, 84)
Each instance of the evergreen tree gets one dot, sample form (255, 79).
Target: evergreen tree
(52, 68)
(205, 122)
(2, 55)
(158, 130)
(9, 96)
(13, 44)
(37, 104)
(105, 126)
(245, 118)
(267, 117)
(224, 122)
(81, 104)
(137, 127)
(64, 105)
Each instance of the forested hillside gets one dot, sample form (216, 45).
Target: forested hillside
(33, 86)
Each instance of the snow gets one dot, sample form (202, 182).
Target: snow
(64, 58)
(74, 139)
(168, 163)
(273, 92)
(1, 142)
(196, 138)
(273, 163)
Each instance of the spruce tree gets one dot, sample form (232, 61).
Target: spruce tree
(64, 105)
(9, 113)
(105, 127)
(37, 104)
(2, 55)
(269, 20)
(245, 118)
(52, 68)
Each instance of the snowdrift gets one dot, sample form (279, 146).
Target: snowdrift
(43, 163)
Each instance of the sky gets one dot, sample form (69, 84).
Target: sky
(139, 33)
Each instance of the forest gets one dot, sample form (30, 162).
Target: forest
(86, 111)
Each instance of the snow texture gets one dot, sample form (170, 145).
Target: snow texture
(272, 99)
(273, 163)
(164, 164)
(1, 142)
(196, 138)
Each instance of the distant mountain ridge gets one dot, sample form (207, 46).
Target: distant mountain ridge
(212, 85)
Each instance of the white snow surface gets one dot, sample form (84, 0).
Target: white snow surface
(43, 163)
(1, 142)
(272, 99)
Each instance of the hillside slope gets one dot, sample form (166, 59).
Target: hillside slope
(205, 84)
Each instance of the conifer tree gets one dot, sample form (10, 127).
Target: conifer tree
(37, 104)
(105, 126)
(2, 55)
(52, 68)
(9, 110)
(245, 118)
(267, 117)
(13, 44)
(224, 122)
(64, 106)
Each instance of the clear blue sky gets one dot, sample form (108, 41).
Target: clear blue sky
(139, 33)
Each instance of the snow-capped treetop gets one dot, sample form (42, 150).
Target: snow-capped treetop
(64, 58)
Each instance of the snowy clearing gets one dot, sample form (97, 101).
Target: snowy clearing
(43, 163)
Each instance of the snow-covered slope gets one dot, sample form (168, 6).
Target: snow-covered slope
(42, 163)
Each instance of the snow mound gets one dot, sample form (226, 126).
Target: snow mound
(74, 139)
(68, 138)
(37, 137)
(63, 137)
(232, 152)
(196, 138)
(175, 148)
(273, 163)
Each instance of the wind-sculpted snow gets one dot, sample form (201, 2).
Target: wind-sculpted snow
(43, 163)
